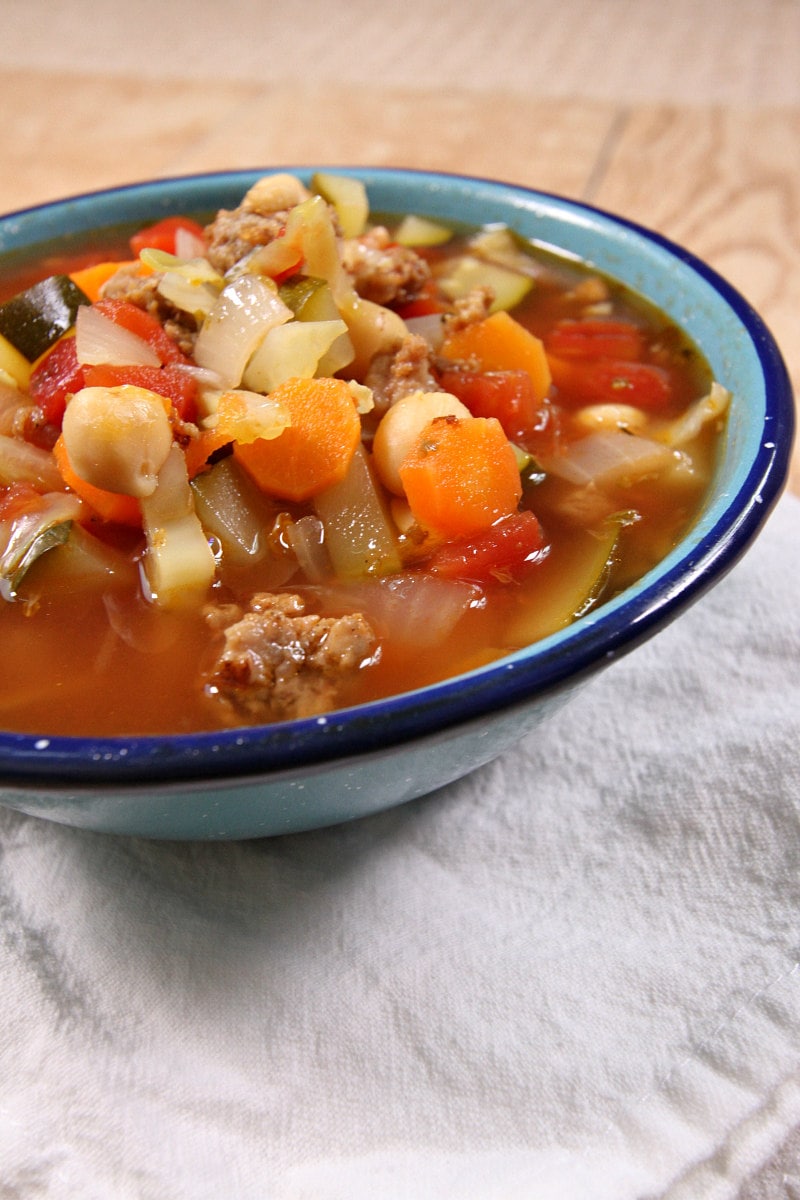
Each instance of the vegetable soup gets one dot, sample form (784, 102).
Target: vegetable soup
(296, 455)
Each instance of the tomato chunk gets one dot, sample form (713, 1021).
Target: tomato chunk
(506, 395)
(611, 381)
(54, 378)
(595, 337)
(429, 302)
(503, 552)
(170, 381)
(162, 235)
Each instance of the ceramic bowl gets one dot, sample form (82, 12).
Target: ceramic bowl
(303, 774)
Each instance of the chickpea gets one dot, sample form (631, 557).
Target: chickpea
(273, 193)
(117, 438)
(610, 416)
(400, 427)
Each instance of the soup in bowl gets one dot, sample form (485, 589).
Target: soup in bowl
(318, 489)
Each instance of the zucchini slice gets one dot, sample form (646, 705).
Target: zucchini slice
(34, 320)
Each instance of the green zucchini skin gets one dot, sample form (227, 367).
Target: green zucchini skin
(35, 319)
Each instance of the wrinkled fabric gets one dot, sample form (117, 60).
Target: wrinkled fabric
(573, 974)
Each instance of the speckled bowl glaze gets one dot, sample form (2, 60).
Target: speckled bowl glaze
(303, 774)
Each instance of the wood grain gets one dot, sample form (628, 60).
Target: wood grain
(720, 179)
(63, 134)
(547, 144)
(725, 184)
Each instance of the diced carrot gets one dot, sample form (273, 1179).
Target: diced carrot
(315, 451)
(199, 449)
(462, 475)
(91, 279)
(499, 343)
(110, 506)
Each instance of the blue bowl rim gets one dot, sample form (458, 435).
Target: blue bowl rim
(558, 663)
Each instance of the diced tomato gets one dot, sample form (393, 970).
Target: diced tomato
(170, 381)
(609, 381)
(595, 337)
(428, 303)
(505, 551)
(55, 377)
(145, 326)
(161, 236)
(506, 395)
(281, 276)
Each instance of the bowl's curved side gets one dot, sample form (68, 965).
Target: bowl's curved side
(300, 797)
(750, 475)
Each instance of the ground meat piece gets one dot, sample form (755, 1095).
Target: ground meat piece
(407, 369)
(258, 220)
(235, 233)
(280, 662)
(381, 270)
(128, 284)
(469, 309)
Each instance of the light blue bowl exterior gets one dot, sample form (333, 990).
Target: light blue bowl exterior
(306, 774)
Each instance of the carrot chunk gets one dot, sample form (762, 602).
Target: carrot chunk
(461, 476)
(499, 343)
(91, 279)
(315, 450)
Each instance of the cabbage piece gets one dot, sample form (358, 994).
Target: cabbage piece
(372, 328)
(292, 351)
(247, 415)
(685, 428)
(191, 285)
(242, 316)
(28, 534)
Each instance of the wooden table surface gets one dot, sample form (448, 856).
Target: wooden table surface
(685, 116)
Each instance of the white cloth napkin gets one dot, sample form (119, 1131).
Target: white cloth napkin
(572, 975)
